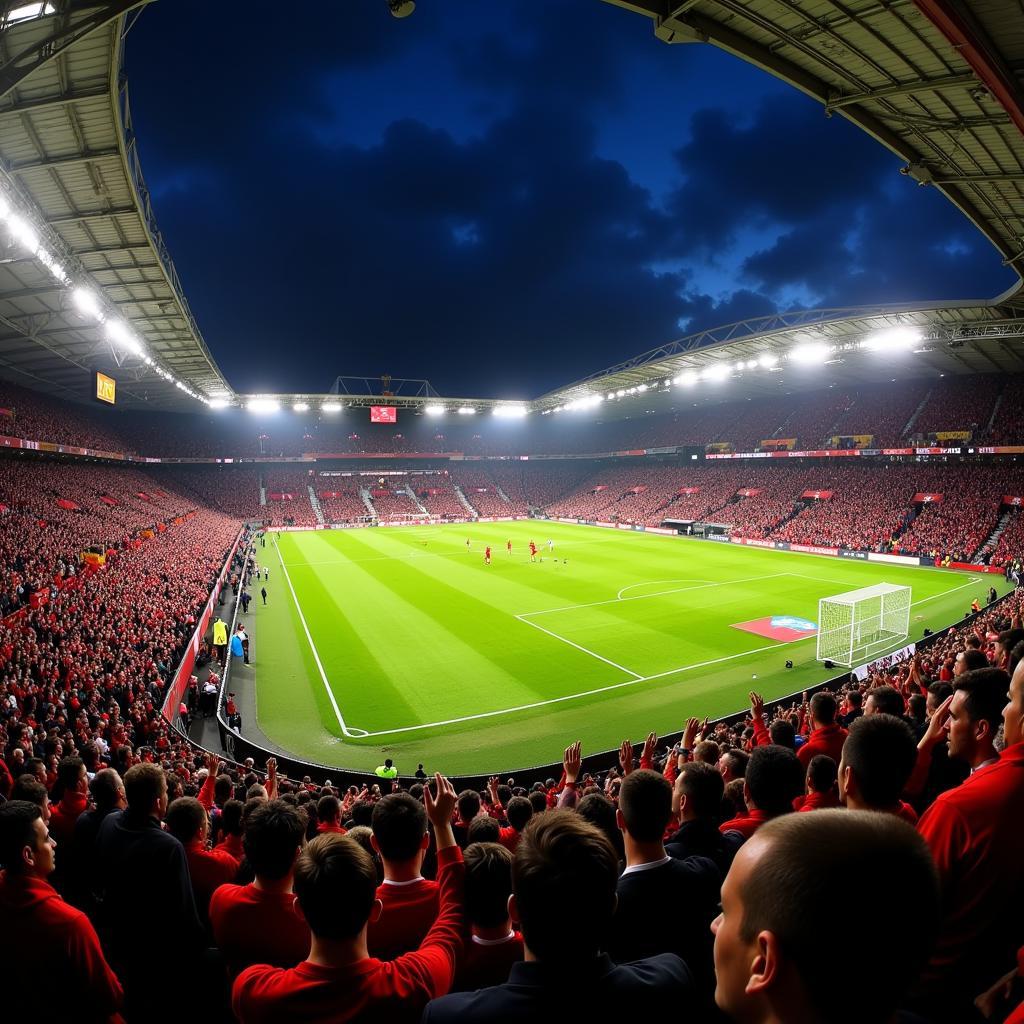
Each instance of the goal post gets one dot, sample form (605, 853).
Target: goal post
(860, 624)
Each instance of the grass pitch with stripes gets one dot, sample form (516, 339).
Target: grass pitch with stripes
(431, 655)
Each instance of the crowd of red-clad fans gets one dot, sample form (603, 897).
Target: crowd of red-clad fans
(736, 875)
(895, 414)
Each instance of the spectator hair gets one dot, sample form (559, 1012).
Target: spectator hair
(223, 787)
(519, 810)
(335, 885)
(822, 773)
(362, 813)
(940, 690)
(645, 802)
(1015, 655)
(68, 773)
(791, 895)
(856, 698)
(144, 784)
(707, 750)
(703, 788)
(488, 883)
(887, 700)
(538, 801)
(185, 817)
(985, 695)
(27, 788)
(274, 832)
(105, 787)
(328, 808)
(881, 751)
(823, 708)
(738, 761)
(469, 805)
(1009, 638)
(17, 818)
(231, 817)
(774, 779)
(564, 875)
(782, 733)
(734, 801)
(483, 829)
(399, 824)
(972, 658)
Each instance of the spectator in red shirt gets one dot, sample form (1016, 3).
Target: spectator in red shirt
(73, 789)
(469, 808)
(877, 761)
(884, 700)
(773, 781)
(409, 901)
(776, 937)
(187, 821)
(564, 876)
(822, 793)
(518, 812)
(258, 923)
(733, 765)
(975, 835)
(328, 815)
(826, 736)
(975, 714)
(493, 946)
(50, 951)
(335, 886)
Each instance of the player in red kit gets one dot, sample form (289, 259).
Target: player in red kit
(533, 552)
(509, 547)
(487, 555)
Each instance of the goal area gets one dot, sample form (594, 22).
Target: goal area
(861, 624)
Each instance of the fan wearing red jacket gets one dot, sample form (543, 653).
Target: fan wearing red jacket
(50, 951)
(335, 888)
(187, 821)
(826, 736)
(409, 901)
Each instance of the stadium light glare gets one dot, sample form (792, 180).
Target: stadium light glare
(5, 208)
(718, 372)
(810, 354)
(119, 333)
(687, 379)
(263, 405)
(893, 339)
(751, 364)
(434, 410)
(641, 388)
(301, 407)
(621, 393)
(216, 403)
(87, 303)
(510, 411)
(741, 366)
(768, 360)
(331, 407)
(467, 410)
(23, 233)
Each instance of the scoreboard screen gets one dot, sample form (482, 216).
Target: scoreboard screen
(106, 388)
(383, 414)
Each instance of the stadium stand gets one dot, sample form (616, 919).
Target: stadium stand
(288, 501)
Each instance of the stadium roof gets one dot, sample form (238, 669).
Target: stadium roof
(70, 169)
(936, 81)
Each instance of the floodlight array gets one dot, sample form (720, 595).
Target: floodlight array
(83, 297)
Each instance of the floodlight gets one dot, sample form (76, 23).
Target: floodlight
(119, 333)
(331, 407)
(611, 395)
(688, 378)
(218, 403)
(718, 372)
(263, 405)
(510, 411)
(401, 8)
(5, 208)
(893, 339)
(810, 353)
(751, 364)
(768, 360)
(87, 302)
(642, 387)
(301, 407)
(434, 410)
(741, 366)
(467, 410)
(621, 393)
(22, 233)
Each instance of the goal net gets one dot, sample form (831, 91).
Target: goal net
(859, 625)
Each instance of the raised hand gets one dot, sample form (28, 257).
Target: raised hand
(440, 806)
(626, 757)
(572, 760)
(757, 704)
(690, 733)
(647, 756)
(936, 731)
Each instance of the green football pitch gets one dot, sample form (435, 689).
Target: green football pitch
(403, 643)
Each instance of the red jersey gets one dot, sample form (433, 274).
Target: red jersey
(487, 962)
(410, 908)
(487, 553)
(533, 548)
(370, 990)
(746, 824)
(253, 926)
(828, 739)
(208, 870)
(53, 954)
(63, 816)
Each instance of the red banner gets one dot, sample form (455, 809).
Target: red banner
(820, 495)
(280, 496)
(921, 498)
(107, 499)
(383, 414)
(599, 487)
(142, 495)
(8, 414)
(64, 503)
(330, 494)
(1013, 499)
(749, 492)
(637, 490)
(687, 490)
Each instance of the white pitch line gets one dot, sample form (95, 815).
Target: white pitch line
(644, 597)
(571, 643)
(351, 733)
(651, 583)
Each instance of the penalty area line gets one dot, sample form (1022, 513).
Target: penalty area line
(346, 731)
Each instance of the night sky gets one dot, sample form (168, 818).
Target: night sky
(503, 197)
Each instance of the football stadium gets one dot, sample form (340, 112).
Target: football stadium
(328, 696)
